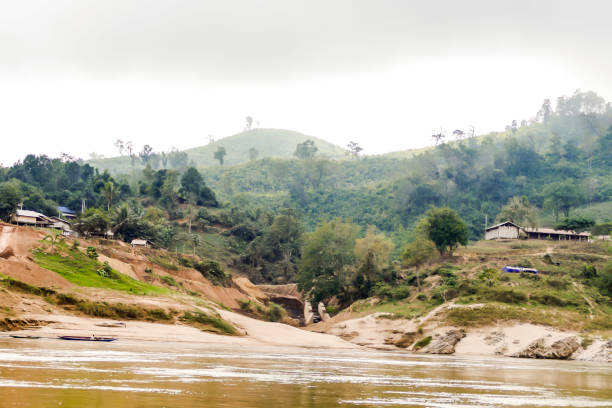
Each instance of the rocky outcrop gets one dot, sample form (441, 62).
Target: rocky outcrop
(604, 353)
(308, 315)
(561, 349)
(323, 312)
(445, 344)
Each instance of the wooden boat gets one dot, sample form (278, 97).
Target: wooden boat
(112, 324)
(21, 336)
(85, 338)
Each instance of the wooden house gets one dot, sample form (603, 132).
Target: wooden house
(504, 230)
(33, 218)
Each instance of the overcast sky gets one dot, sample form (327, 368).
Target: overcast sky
(75, 75)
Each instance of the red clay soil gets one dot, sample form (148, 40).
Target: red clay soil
(18, 241)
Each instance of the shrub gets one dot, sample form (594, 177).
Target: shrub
(547, 259)
(589, 271)
(169, 280)
(92, 252)
(75, 244)
(106, 271)
(422, 297)
(422, 343)
(186, 262)
(557, 283)
(213, 271)
(275, 312)
(208, 323)
(400, 292)
(148, 270)
(383, 291)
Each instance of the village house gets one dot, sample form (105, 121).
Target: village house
(510, 230)
(66, 213)
(33, 218)
(140, 243)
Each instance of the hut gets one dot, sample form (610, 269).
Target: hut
(505, 230)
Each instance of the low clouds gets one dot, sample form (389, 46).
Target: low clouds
(76, 75)
(276, 39)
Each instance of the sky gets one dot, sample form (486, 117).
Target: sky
(77, 75)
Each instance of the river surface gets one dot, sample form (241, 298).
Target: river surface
(55, 373)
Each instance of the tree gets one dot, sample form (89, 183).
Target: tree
(253, 154)
(129, 148)
(249, 123)
(375, 244)
(94, 221)
(519, 211)
(354, 149)
(145, 153)
(220, 154)
(120, 146)
(418, 253)
(10, 197)
(305, 150)
(576, 224)
(109, 190)
(561, 196)
(545, 112)
(439, 137)
(445, 229)
(328, 255)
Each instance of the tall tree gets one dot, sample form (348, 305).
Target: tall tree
(327, 257)
(10, 196)
(519, 211)
(444, 228)
(354, 149)
(220, 154)
(109, 191)
(253, 154)
(249, 123)
(417, 253)
(145, 153)
(306, 150)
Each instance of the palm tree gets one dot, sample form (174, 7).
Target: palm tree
(109, 190)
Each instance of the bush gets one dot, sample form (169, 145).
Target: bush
(400, 292)
(589, 271)
(275, 312)
(557, 283)
(92, 252)
(208, 323)
(422, 343)
(213, 271)
(383, 291)
(148, 270)
(422, 297)
(186, 262)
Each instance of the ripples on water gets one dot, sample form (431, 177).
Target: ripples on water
(50, 372)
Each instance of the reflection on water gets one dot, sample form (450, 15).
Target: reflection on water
(51, 373)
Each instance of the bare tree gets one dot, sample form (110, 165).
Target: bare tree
(354, 149)
(439, 137)
(120, 146)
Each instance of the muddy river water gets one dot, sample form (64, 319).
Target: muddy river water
(55, 373)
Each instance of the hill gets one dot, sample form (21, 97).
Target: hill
(278, 143)
(268, 142)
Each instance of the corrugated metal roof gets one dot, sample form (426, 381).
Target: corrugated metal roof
(28, 213)
(554, 231)
(503, 223)
(66, 210)
(139, 242)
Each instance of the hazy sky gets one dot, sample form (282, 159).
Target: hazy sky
(77, 75)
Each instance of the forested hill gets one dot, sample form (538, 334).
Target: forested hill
(559, 160)
(239, 148)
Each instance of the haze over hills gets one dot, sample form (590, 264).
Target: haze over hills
(278, 143)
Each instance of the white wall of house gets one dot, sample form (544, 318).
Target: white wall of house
(502, 232)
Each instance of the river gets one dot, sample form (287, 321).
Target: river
(55, 373)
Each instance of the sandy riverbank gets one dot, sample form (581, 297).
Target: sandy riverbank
(257, 332)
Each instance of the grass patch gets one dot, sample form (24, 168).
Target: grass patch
(82, 270)
(422, 343)
(494, 313)
(209, 323)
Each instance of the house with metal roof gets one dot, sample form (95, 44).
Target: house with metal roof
(27, 217)
(66, 213)
(510, 230)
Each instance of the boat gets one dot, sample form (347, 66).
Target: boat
(21, 336)
(112, 324)
(85, 338)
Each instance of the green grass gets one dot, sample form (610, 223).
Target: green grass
(209, 323)
(81, 270)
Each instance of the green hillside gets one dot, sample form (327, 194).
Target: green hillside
(268, 142)
(277, 143)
